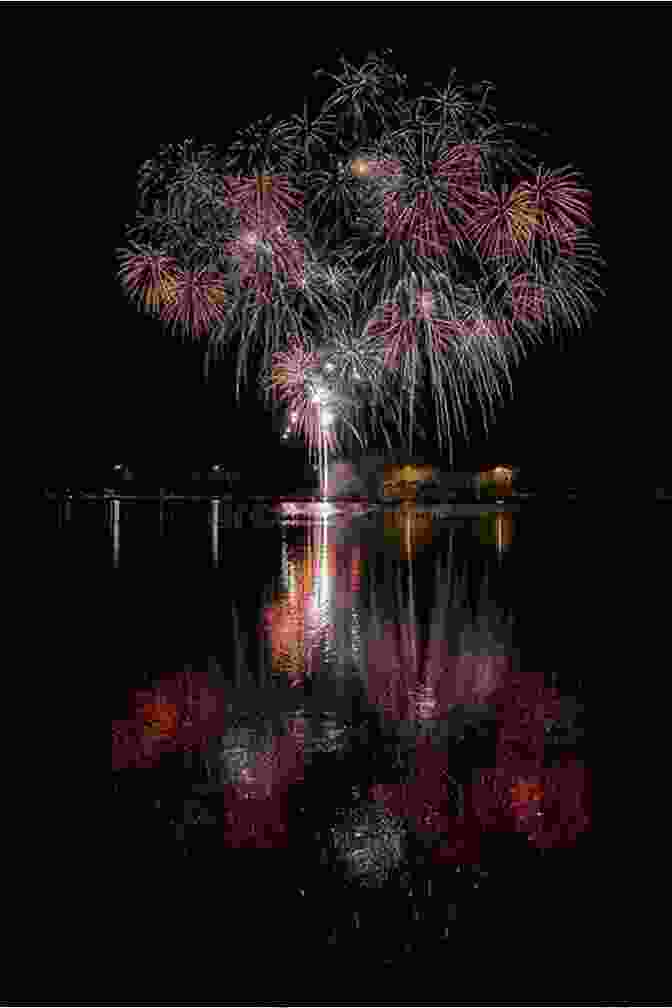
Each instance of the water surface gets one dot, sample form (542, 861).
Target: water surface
(369, 722)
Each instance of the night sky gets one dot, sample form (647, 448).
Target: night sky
(129, 390)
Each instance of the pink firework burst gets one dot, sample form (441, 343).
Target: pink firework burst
(504, 223)
(426, 202)
(417, 325)
(423, 221)
(398, 333)
(292, 371)
(263, 198)
(561, 204)
(196, 302)
(296, 380)
(149, 277)
(460, 169)
(265, 253)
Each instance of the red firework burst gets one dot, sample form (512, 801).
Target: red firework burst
(561, 204)
(504, 222)
(460, 168)
(196, 302)
(149, 276)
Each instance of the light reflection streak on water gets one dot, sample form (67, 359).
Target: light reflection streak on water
(116, 537)
(284, 563)
(215, 508)
(310, 623)
(356, 639)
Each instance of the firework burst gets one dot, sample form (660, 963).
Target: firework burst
(197, 301)
(293, 370)
(366, 97)
(353, 369)
(301, 137)
(265, 253)
(265, 201)
(504, 222)
(179, 170)
(427, 188)
(451, 106)
(149, 277)
(338, 200)
(560, 204)
(353, 360)
(428, 328)
(386, 246)
(317, 403)
(294, 380)
(257, 147)
(281, 294)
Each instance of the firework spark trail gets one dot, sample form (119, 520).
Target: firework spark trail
(462, 349)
